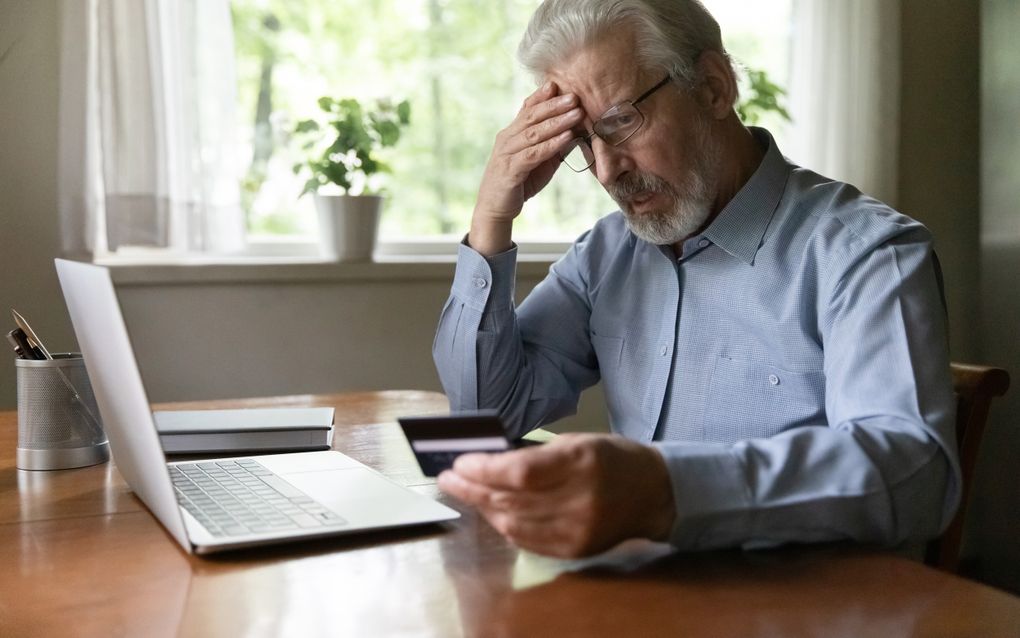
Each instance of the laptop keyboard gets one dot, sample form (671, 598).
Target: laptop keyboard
(238, 498)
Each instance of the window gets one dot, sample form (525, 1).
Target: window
(758, 36)
(454, 60)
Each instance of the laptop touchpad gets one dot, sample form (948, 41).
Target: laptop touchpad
(363, 497)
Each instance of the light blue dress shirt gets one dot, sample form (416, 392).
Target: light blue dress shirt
(791, 366)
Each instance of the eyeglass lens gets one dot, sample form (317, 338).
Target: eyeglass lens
(619, 123)
(578, 154)
(614, 127)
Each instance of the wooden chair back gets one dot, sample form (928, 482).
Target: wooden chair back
(975, 387)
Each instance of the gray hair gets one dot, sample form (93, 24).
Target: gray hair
(670, 34)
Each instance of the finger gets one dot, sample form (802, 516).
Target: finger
(544, 130)
(549, 537)
(534, 506)
(545, 109)
(541, 94)
(462, 489)
(534, 468)
(533, 164)
(542, 174)
(519, 525)
(542, 112)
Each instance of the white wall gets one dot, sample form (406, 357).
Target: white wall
(236, 339)
(29, 236)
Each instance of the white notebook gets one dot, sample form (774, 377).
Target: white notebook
(245, 430)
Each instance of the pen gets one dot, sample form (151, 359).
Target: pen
(20, 344)
(22, 347)
(35, 346)
(33, 340)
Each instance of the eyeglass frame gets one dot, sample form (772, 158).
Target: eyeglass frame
(586, 139)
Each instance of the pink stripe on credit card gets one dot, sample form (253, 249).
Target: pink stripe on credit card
(472, 444)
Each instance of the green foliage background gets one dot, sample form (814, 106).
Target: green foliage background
(452, 59)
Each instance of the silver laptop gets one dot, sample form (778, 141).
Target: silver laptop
(230, 503)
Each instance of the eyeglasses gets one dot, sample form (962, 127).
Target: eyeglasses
(615, 127)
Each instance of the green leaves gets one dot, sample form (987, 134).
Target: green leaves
(342, 147)
(404, 112)
(762, 96)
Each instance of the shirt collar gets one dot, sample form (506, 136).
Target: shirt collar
(741, 224)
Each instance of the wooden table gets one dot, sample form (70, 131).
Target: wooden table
(81, 557)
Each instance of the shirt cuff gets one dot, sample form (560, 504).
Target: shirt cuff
(712, 500)
(479, 279)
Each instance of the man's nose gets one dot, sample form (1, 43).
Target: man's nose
(610, 161)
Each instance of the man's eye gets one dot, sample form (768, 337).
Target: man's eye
(622, 120)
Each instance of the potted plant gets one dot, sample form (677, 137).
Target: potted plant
(341, 156)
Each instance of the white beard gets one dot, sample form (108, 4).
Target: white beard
(692, 199)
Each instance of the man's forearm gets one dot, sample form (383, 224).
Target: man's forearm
(881, 484)
(482, 291)
(490, 238)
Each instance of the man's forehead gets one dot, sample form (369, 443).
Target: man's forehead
(600, 90)
(601, 73)
(598, 81)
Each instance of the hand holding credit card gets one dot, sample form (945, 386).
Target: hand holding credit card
(437, 440)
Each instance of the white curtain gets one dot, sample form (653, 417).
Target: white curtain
(147, 146)
(845, 91)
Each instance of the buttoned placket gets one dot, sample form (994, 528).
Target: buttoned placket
(691, 248)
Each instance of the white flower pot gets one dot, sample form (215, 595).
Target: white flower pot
(348, 225)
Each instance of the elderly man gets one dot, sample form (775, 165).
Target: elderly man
(771, 342)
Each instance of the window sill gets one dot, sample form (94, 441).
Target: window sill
(259, 270)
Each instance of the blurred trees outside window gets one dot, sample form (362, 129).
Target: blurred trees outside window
(454, 60)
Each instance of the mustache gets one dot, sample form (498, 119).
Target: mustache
(634, 184)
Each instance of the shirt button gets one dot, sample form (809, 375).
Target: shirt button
(773, 379)
(703, 243)
(664, 351)
(480, 283)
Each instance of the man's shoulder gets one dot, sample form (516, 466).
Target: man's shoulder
(841, 211)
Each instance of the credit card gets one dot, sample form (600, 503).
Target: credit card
(437, 440)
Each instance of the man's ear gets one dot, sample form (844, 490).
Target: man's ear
(717, 89)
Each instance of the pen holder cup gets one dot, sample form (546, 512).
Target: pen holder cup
(58, 420)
